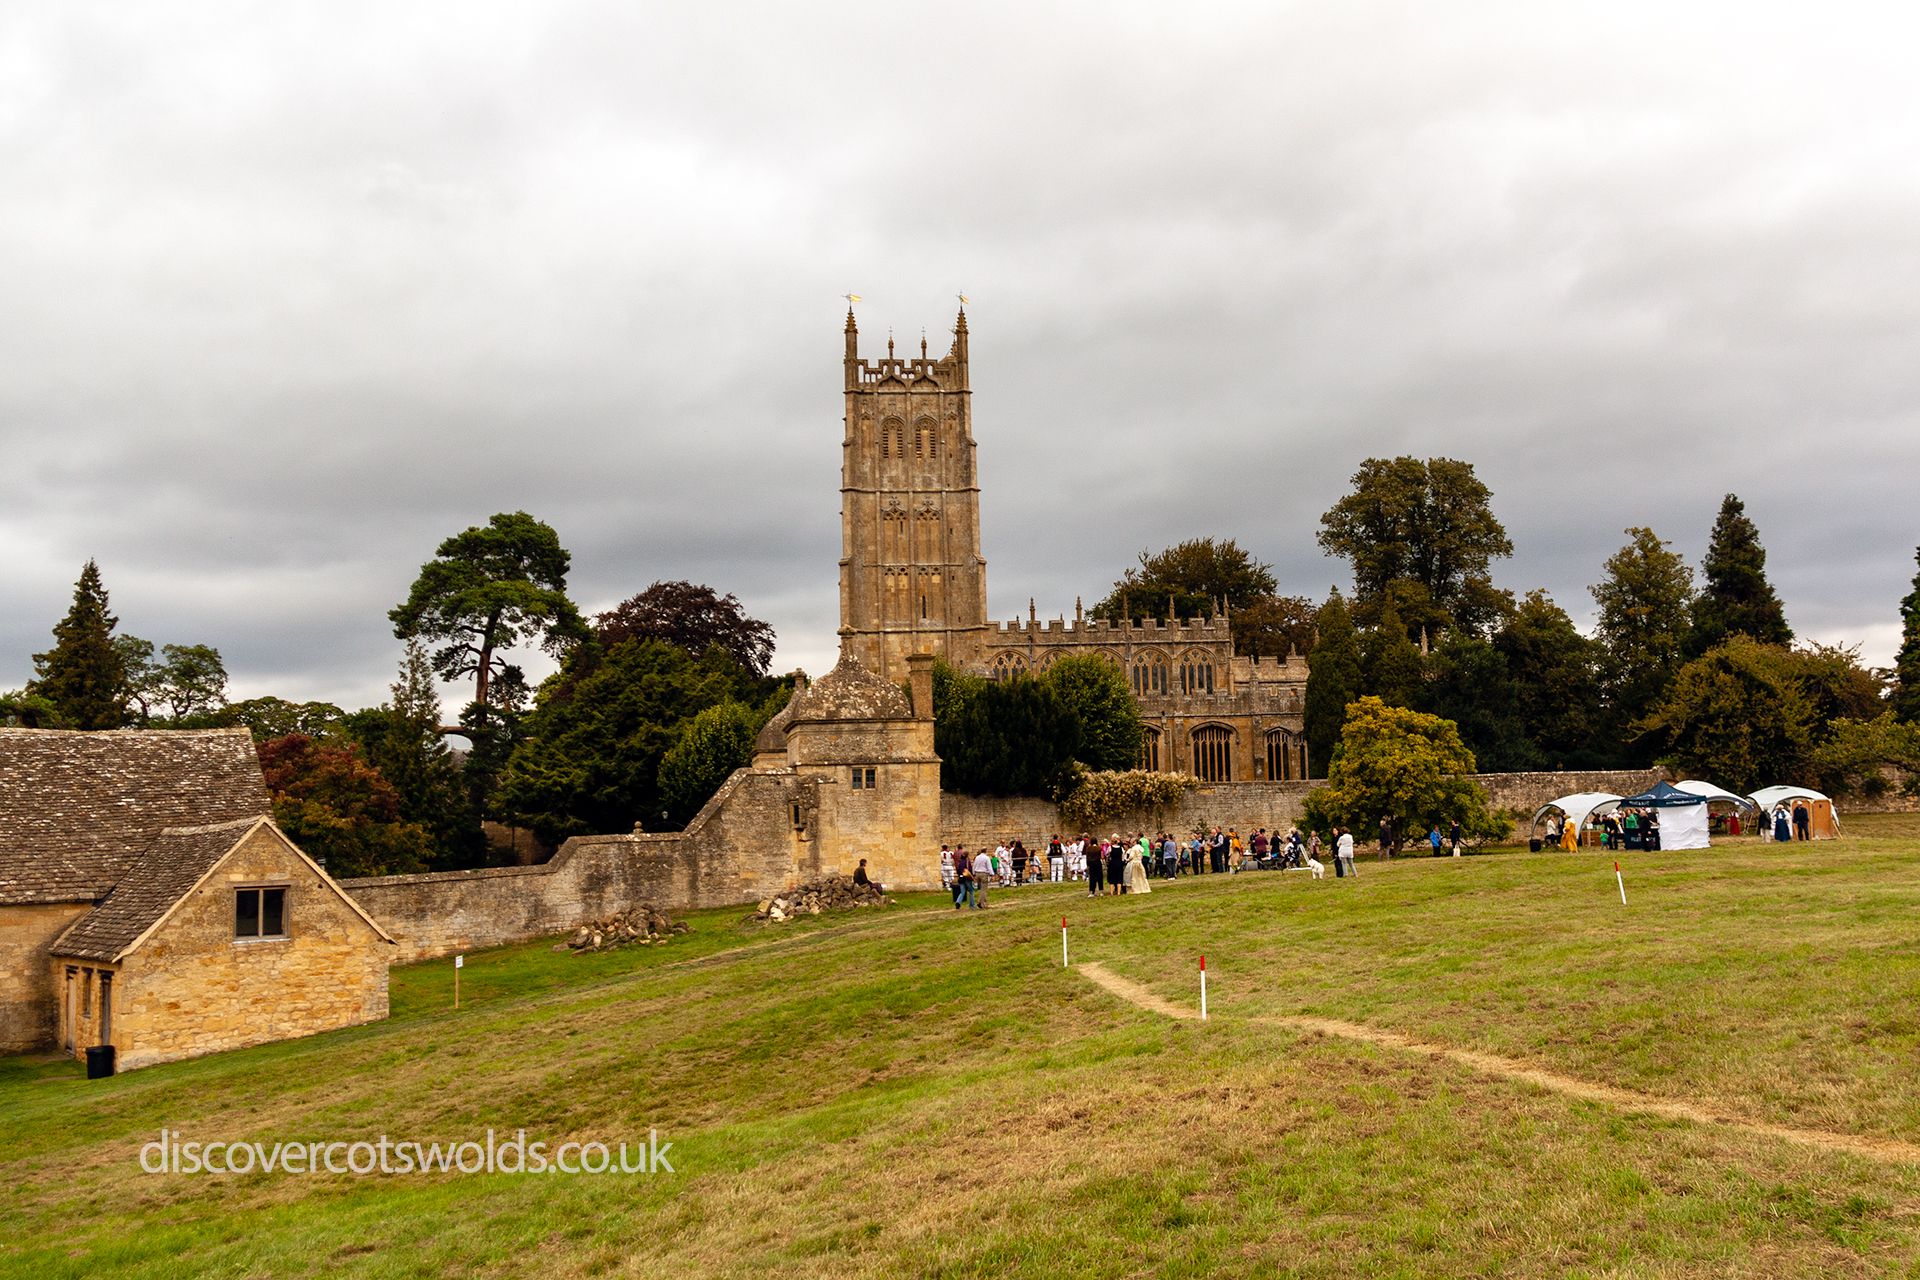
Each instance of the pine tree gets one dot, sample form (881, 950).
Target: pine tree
(1333, 680)
(84, 676)
(1736, 598)
(1906, 669)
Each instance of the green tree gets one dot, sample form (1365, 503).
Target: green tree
(338, 808)
(1333, 681)
(1737, 715)
(693, 617)
(1556, 684)
(710, 747)
(589, 756)
(1392, 666)
(1015, 737)
(1274, 626)
(487, 589)
(1906, 668)
(1424, 534)
(25, 709)
(1095, 692)
(84, 677)
(1866, 757)
(1646, 614)
(1406, 765)
(1736, 598)
(269, 718)
(189, 680)
(402, 739)
(1471, 684)
(1835, 685)
(1199, 577)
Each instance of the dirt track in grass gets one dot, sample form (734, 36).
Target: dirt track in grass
(1885, 1150)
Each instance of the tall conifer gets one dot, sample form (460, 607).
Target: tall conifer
(1906, 668)
(84, 676)
(1333, 680)
(1735, 597)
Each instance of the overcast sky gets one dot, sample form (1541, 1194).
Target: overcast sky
(292, 292)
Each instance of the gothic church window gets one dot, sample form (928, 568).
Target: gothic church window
(1213, 753)
(926, 440)
(1149, 675)
(1150, 750)
(1009, 665)
(1284, 758)
(1196, 673)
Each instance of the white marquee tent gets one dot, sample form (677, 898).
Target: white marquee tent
(1579, 807)
(1720, 795)
(1825, 815)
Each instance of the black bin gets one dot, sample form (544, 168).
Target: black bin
(1534, 844)
(99, 1061)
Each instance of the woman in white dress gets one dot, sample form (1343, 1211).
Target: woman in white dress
(1137, 868)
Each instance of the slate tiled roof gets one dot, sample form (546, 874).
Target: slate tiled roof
(76, 809)
(773, 735)
(849, 692)
(172, 864)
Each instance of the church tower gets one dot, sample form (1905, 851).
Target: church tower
(912, 579)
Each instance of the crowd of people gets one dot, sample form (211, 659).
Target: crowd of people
(1126, 864)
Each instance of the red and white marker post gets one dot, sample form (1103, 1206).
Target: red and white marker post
(1063, 943)
(1621, 880)
(1203, 988)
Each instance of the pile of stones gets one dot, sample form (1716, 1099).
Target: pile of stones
(641, 926)
(834, 893)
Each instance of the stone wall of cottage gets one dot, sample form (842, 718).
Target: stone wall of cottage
(28, 995)
(193, 988)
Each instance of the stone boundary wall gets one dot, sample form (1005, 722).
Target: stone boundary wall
(1244, 806)
(723, 857)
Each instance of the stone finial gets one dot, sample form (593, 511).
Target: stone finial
(1079, 614)
(1033, 614)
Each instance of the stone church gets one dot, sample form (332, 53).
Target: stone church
(913, 580)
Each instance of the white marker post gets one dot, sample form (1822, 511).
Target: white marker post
(1621, 880)
(1063, 943)
(1203, 988)
(459, 963)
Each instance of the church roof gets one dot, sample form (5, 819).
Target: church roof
(77, 809)
(850, 692)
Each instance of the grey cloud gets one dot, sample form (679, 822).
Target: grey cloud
(296, 292)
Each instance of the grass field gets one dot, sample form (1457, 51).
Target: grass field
(916, 1092)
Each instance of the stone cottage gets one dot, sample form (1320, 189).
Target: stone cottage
(148, 902)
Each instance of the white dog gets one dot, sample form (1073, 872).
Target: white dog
(1318, 868)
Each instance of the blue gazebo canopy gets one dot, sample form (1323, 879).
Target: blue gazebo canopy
(1663, 796)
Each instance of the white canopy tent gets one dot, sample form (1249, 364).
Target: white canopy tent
(1720, 795)
(1707, 790)
(1579, 807)
(1824, 813)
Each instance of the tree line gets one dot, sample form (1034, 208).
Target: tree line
(1700, 672)
(655, 702)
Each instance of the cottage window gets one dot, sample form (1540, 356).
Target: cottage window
(260, 913)
(863, 778)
